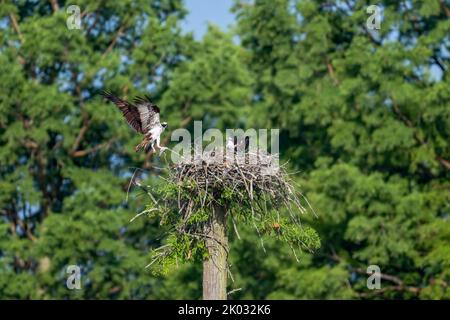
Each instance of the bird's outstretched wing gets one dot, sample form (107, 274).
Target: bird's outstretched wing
(129, 111)
(149, 113)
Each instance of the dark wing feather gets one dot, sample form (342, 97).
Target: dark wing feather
(129, 111)
(149, 113)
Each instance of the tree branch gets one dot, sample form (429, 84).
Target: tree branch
(16, 27)
(445, 9)
(443, 162)
(55, 5)
(331, 73)
(114, 40)
(81, 133)
(82, 153)
(26, 229)
(439, 64)
(400, 286)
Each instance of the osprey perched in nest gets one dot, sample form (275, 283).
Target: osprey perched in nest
(143, 117)
(233, 143)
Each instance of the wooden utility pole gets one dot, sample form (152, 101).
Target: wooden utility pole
(215, 267)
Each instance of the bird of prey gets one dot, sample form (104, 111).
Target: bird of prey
(142, 116)
(233, 143)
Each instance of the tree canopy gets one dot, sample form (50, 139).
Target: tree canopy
(364, 117)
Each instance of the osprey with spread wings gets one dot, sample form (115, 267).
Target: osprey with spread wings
(143, 117)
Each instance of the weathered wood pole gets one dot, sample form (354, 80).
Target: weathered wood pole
(215, 267)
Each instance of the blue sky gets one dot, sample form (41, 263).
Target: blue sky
(203, 11)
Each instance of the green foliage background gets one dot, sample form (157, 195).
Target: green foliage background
(364, 115)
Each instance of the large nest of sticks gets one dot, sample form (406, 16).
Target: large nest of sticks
(250, 186)
(246, 176)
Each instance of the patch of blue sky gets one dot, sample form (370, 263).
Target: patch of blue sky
(202, 12)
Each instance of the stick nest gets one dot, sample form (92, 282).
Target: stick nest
(250, 186)
(241, 178)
